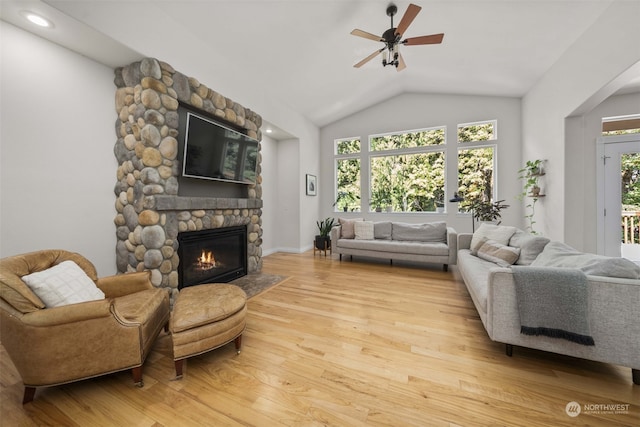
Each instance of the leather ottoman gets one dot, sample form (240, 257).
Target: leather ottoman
(206, 317)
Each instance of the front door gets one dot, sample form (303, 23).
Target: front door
(619, 210)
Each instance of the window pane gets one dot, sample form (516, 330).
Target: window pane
(348, 179)
(620, 132)
(421, 138)
(348, 146)
(476, 132)
(630, 178)
(475, 175)
(408, 183)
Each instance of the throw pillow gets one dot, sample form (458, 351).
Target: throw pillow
(347, 230)
(530, 246)
(427, 232)
(557, 254)
(382, 230)
(63, 284)
(363, 230)
(498, 233)
(498, 253)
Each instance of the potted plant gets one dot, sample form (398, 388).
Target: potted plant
(323, 240)
(487, 211)
(531, 174)
(381, 199)
(345, 199)
(438, 196)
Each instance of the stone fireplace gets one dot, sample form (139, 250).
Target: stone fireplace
(152, 204)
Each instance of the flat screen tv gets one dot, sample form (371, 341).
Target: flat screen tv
(213, 151)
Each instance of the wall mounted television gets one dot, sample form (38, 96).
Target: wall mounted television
(213, 151)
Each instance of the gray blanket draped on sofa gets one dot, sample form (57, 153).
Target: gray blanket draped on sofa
(554, 302)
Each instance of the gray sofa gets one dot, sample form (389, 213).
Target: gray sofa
(612, 302)
(432, 242)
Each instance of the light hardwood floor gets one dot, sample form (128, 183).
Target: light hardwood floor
(343, 344)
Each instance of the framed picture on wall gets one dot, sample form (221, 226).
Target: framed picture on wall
(312, 186)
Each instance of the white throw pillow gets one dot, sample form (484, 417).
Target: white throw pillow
(498, 233)
(363, 230)
(63, 284)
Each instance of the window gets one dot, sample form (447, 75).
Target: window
(475, 175)
(476, 162)
(478, 131)
(407, 172)
(347, 174)
(621, 125)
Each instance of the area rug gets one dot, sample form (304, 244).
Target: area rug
(255, 283)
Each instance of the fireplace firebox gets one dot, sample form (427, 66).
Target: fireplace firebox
(213, 255)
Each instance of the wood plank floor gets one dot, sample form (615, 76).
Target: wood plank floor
(343, 344)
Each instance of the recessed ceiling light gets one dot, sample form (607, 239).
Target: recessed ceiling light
(36, 19)
(269, 131)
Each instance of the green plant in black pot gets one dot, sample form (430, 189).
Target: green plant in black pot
(487, 211)
(323, 239)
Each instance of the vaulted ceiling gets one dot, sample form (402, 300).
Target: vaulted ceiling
(301, 51)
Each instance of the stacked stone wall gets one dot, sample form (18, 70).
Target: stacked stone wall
(148, 95)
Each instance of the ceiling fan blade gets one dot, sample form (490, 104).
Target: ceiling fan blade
(407, 19)
(369, 58)
(401, 64)
(432, 39)
(366, 35)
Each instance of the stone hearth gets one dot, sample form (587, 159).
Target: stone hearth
(150, 211)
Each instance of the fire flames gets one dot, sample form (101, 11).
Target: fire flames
(206, 261)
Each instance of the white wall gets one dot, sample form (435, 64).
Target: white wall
(581, 135)
(289, 195)
(607, 49)
(57, 164)
(269, 165)
(414, 111)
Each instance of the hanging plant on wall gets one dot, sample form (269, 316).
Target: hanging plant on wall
(531, 174)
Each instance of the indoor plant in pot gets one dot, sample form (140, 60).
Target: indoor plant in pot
(344, 200)
(531, 174)
(485, 211)
(323, 240)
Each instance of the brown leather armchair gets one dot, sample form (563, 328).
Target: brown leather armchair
(53, 346)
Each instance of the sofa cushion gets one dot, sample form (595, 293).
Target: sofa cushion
(497, 233)
(363, 230)
(498, 253)
(530, 246)
(557, 254)
(427, 232)
(394, 246)
(476, 276)
(63, 284)
(382, 230)
(347, 230)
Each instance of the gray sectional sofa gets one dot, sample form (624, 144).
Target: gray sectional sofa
(432, 242)
(610, 305)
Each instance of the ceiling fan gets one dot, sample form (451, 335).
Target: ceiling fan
(393, 37)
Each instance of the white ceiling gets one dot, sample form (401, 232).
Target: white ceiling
(301, 52)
